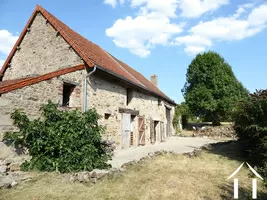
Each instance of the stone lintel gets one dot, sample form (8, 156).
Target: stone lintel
(69, 81)
(129, 111)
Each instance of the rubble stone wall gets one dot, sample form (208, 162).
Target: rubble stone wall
(41, 51)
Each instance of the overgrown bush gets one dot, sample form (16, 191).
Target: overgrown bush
(251, 128)
(63, 141)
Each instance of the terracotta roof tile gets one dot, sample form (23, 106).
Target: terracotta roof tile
(11, 82)
(91, 53)
(9, 85)
(143, 80)
(87, 49)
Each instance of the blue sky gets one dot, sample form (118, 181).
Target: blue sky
(159, 37)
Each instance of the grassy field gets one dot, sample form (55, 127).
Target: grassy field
(163, 177)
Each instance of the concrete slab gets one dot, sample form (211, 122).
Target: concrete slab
(175, 144)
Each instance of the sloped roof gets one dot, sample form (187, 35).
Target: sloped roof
(91, 53)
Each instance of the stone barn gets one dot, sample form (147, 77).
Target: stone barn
(50, 61)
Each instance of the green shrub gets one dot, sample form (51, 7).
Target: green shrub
(63, 141)
(182, 114)
(251, 128)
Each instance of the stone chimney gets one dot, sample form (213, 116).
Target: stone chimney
(154, 79)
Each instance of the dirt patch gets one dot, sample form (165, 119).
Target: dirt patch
(218, 131)
(225, 131)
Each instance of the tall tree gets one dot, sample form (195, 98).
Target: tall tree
(211, 89)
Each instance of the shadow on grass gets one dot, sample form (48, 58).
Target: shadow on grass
(233, 150)
(243, 193)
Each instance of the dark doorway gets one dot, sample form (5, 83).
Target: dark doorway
(132, 129)
(162, 133)
(168, 125)
(155, 130)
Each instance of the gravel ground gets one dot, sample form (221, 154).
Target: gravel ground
(175, 144)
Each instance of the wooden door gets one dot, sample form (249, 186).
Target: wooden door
(141, 131)
(126, 130)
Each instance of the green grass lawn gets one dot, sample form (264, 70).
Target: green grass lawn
(163, 177)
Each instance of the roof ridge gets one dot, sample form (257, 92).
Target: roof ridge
(122, 67)
(149, 82)
(91, 53)
(60, 26)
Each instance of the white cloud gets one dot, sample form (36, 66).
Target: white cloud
(113, 3)
(153, 24)
(193, 40)
(7, 41)
(242, 9)
(193, 50)
(258, 16)
(157, 8)
(149, 28)
(195, 8)
(229, 28)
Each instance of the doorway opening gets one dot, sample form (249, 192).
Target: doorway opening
(168, 125)
(132, 130)
(162, 132)
(128, 130)
(154, 131)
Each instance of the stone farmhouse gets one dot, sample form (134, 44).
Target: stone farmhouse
(51, 61)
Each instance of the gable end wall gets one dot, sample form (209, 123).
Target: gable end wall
(41, 51)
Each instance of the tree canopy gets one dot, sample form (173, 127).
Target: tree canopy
(211, 89)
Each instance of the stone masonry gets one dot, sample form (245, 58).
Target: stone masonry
(42, 50)
(107, 96)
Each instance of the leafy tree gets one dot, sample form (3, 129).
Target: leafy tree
(62, 141)
(211, 89)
